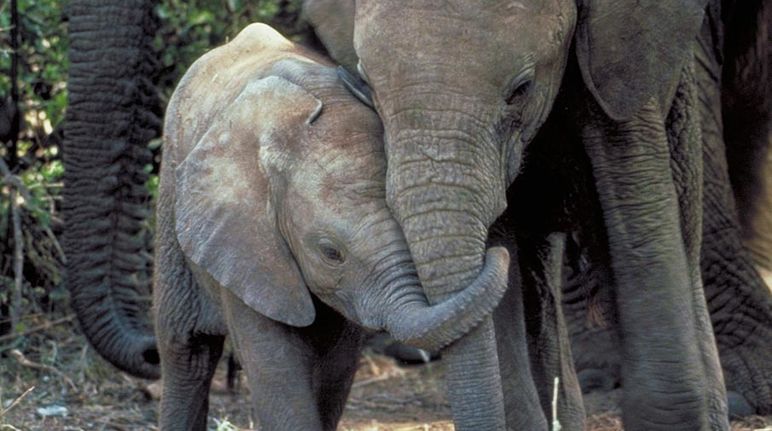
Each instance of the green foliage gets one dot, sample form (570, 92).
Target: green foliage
(190, 28)
(42, 61)
(32, 192)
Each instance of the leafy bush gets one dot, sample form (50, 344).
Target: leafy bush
(30, 193)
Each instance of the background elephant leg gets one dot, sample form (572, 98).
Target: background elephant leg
(738, 299)
(299, 378)
(739, 302)
(541, 262)
(685, 142)
(659, 320)
(523, 409)
(588, 305)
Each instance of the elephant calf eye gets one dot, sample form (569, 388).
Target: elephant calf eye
(331, 253)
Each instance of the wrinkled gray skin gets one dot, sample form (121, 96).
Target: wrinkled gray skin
(112, 113)
(462, 87)
(272, 190)
(738, 299)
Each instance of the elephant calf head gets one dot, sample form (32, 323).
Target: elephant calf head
(280, 193)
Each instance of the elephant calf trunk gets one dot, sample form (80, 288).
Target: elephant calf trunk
(432, 327)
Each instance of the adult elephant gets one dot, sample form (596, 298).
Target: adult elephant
(732, 51)
(112, 114)
(462, 87)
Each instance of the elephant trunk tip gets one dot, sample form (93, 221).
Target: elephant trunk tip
(131, 352)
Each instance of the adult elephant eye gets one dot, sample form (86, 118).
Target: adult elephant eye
(519, 92)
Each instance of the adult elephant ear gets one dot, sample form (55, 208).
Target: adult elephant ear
(226, 190)
(632, 50)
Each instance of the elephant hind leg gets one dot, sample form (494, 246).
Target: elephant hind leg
(299, 378)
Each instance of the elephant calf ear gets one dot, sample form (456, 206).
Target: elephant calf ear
(632, 50)
(225, 220)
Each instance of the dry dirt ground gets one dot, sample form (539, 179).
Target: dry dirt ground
(54, 381)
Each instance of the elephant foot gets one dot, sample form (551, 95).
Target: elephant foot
(739, 407)
(385, 345)
(595, 379)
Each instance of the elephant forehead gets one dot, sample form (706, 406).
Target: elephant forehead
(489, 45)
(339, 175)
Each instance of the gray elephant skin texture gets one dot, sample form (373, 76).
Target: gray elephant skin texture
(273, 228)
(460, 112)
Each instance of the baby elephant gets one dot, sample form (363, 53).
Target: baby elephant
(273, 228)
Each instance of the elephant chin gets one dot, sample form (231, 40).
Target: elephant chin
(432, 327)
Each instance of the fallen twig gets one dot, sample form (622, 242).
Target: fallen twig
(22, 360)
(18, 263)
(38, 328)
(365, 382)
(17, 400)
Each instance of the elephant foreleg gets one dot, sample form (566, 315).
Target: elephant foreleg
(521, 397)
(686, 145)
(670, 381)
(541, 263)
(299, 378)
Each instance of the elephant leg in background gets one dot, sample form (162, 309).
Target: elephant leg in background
(299, 378)
(588, 305)
(655, 292)
(740, 303)
(686, 146)
(523, 410)
(541, 262)
(521, 398)
(739, 300)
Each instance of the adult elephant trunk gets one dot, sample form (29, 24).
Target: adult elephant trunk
(109, 122)
(411, 320)
(445, 185)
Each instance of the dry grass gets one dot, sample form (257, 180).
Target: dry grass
(57, 368)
